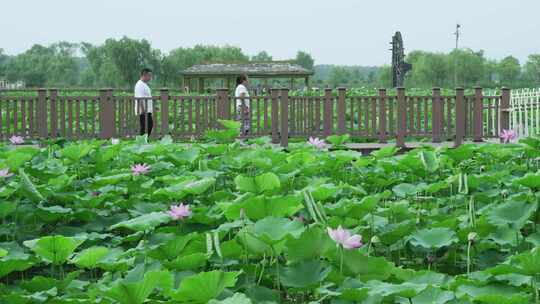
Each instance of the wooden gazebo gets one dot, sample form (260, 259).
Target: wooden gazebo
(228, 72)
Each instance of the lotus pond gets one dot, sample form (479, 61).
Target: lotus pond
(163, 222)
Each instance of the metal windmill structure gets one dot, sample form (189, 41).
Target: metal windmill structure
(399, 66)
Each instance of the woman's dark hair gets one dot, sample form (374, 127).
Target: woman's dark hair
(241, 79)
(145, 71)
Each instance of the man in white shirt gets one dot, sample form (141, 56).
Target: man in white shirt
(242, 104)
(144, 106)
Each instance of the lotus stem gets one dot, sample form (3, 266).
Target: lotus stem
(341, 261)
(277, 266)
(469, 258)
(262, 269)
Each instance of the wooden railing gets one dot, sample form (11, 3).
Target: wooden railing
(379, 118)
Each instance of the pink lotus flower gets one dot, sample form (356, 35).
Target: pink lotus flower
(317, 143)
(508, 136)
(16, 140)
(139, 169)
(115, 141)
(5, 173)
(344, 238)
(179, 212)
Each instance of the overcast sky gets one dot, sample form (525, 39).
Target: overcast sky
(352, 32)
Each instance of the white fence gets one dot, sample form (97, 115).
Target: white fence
(525, 111)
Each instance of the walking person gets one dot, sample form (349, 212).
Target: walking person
(144, 106)
(242, 104)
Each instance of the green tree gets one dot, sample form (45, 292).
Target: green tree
(305, 60)
(385, 77)
(429, 69)
(339, 76)
(261, 57)
(182, 58)
(468, 66)
(119, 62)
(532, 70)
(4, 58)
(41, 66)
(509, 71)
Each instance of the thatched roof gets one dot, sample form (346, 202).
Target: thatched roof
(267, 69)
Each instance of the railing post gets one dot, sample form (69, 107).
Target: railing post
(53, 96)
(222, 104)
(111, 106)
(42, 113)
(341, 110)
(284, 108)
(401, 117)
(382, 116)
(460, 117)
(164, 94)
(478, 118)
(436, 115)
(505, 109)
(328, 113)
(274, 93)
(106, 114)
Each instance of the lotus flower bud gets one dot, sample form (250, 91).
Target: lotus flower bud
(242, 214)
(472, 236)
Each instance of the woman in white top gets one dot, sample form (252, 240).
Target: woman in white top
(143, 103)
(242, 104)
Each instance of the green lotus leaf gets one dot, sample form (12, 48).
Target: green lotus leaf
(304, 274)
(529, 262)
(90, 257)
(358, 264)
(407, 290)
(494, 289)
(511, 213)
(6, 208)
(530, 180)
(272, 230)
(259, 207)
(261, 183)
(29, 189)
(192, 261)
(144, 222)
(204, 286)
(404, 190)
(433, 295)
(433, 238)
(14, 260)
(429, 160)
(237, 298)
(138, 285)
(54, 249)
(311, 244)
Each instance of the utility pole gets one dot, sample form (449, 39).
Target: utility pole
(458, 27)
(457, 33)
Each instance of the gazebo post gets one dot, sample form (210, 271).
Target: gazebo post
(201, 84)
(307, 82)
(187, 83)
(292, 83)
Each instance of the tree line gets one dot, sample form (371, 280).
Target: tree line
(117, 62)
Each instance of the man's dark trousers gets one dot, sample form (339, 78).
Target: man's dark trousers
(146, 123)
